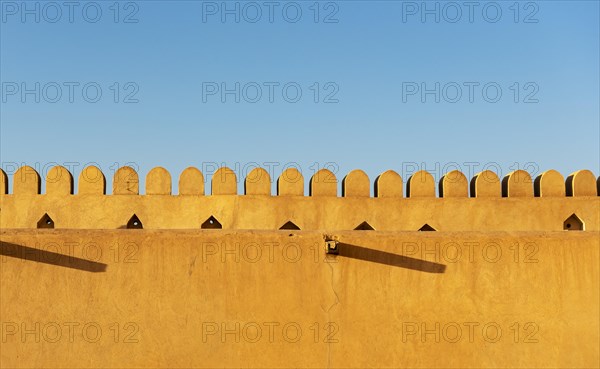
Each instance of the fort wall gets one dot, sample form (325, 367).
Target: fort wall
(483, 203)
(232, 298)
(492, 273)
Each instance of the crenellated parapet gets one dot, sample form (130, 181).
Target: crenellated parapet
(485, 202)
(59, 181)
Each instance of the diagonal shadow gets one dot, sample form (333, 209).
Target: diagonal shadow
(382, 257)
(47, 257)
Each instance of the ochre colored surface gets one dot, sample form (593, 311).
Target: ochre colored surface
(193, 299)
(550, 183)
(421, 184)
(485, 184)
(290, 183)
(258, 182)
(322, 213)
(485, 210)
(91, 181)
(158, 182)
(454, 184)
(497, 282)
(126, 182)
(191, 182)
(388, 184)
(581, 183)
(356, 184)
(517, 184)
(323, 183)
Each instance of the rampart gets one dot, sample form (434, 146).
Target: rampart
(485, 203)
(491, 274)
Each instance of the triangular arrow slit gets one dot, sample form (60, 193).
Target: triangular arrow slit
(426, 228)
(211, 223)
(45, 222)
(364, 226)
(134, 223)
(290, 225)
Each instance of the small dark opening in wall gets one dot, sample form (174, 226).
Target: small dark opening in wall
(211, 223)
(364, 226)
(427, 228)
(290, 225)
(45, 222)
(573, 223)
(135, 223)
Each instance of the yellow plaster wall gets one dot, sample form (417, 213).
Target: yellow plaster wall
(517, 204)
(499, 284)
(194, 299)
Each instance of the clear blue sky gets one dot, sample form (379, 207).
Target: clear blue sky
(368, 61)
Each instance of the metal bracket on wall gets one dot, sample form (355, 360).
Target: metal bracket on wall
(331, 247)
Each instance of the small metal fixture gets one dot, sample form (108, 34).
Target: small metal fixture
(332, 247)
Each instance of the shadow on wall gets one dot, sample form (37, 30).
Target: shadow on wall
(47, 257)
(386, 258)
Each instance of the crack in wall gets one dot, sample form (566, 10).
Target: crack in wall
(337, 301)
(192, 265)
